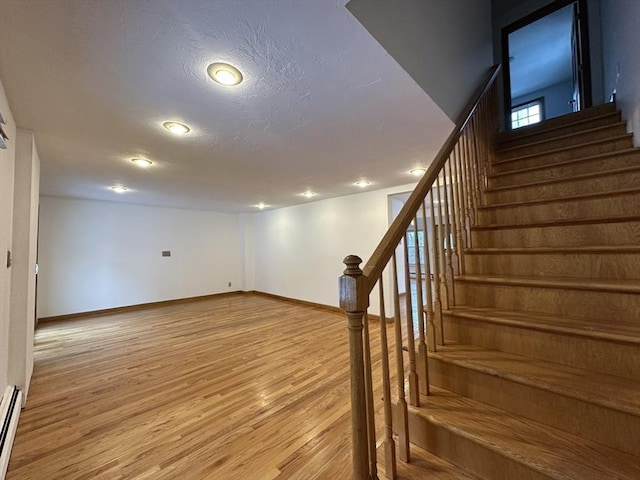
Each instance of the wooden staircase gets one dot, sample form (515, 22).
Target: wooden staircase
(539, 376)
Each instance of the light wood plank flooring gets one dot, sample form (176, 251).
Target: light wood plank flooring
(241, 386)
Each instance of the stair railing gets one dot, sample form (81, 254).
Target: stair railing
(444, 207)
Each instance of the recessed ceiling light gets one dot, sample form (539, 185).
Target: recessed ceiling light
(176, 128)
(309, 194)
(261, 206)
(142, 162)
(362, 183)
(417, 171)
(119, 188)
(224, 74)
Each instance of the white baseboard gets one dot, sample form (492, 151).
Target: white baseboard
(9, 414)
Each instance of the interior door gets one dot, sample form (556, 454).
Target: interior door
(518, 63)
(576, 60)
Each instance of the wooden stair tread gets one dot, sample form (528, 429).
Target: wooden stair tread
(540, 128)
(572, 178)
(424, 466)
(568, 198)
(613, 392)
(565, 120)
(569, 283)
(560, 137)
(554, 250)
(619, 332)
(558, 222)
(563, 149)
(559, 455)
(598, 156)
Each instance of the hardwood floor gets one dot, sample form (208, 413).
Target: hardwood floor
(237, 387)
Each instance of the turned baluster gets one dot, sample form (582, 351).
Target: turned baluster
(458, 251)
(435, 249)
(465, 226)
(442, 251)
(389, 444)
(371, 418)
(423, 368)
(414, 393)
(468, 180)
(450, 248)
(473, 176)
(431, 328)
(403, 417)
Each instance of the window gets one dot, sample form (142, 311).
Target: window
(527, 114)
(411, 246)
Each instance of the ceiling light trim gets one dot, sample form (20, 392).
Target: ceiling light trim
(225, 74)
(177, 128)
(362, 183)
(141, 162)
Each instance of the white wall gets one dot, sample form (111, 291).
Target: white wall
(298, 251)
(248, 237)
(556, 98)
(7, 163)
(23, 269)
(621, 49)
(97, 255)
(444, 45)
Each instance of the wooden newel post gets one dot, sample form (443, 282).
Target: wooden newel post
(354, 300)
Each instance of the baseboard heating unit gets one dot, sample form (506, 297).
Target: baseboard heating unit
(9, 412)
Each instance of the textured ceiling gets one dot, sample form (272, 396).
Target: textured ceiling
(322, 105)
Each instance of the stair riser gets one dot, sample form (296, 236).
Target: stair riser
(571, 128)
(597, 165)
(595, 422)
(578, 151)
(602, 356)
(597, 207)
(622, 233)
(567, 188)
(610, 306)
(583, 115)
(575, 139)
(584, 265)
(464, 452)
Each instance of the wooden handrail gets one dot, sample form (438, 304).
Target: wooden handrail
(387, 246)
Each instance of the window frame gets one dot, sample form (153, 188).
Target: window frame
(529, 103)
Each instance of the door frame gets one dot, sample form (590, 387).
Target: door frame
(583, 33)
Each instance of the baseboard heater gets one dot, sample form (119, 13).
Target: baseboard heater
(9, 413)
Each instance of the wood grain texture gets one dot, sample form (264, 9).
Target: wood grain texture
(596, 345)
(563, 171)
(616, 262)
(602, 408)
(615, 178)
(581, 146)
(235, 387)
(607, 299)
(613, 230)
(501, 446)
(562, 127)
(560, 140)
(623, 202)
(561, 124)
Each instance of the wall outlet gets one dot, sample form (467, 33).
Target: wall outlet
(166, 253)
(229, 284)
